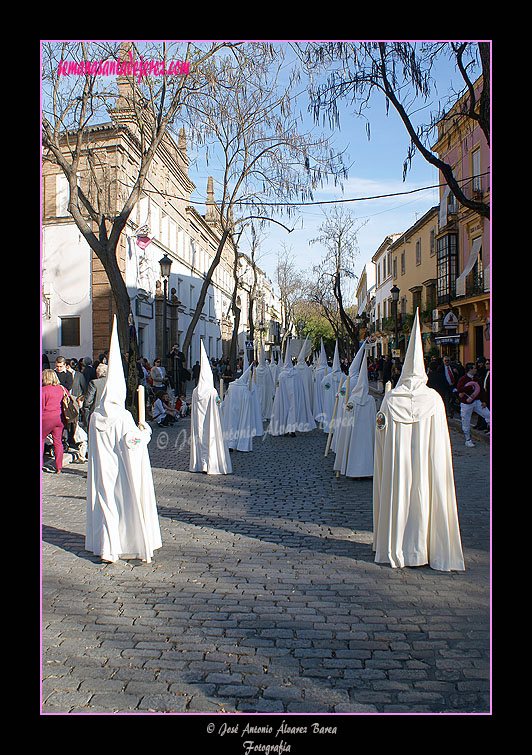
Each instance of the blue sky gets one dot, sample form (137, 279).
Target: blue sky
(377, 168)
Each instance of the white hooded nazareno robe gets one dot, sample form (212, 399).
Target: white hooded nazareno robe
(291, 410)
(330, 386)
(415, 518)
(241, 420)
(356, 434)
(264, 380)
(348, 386)
(121, 515)
(320, 371)
(208, 450)
(305, 373)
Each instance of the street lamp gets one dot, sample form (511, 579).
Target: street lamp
(395, 298)
(165, 264)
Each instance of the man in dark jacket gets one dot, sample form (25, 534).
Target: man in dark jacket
(65, 377)
(93, 395)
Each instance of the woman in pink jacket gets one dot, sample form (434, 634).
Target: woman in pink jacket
(52, 420)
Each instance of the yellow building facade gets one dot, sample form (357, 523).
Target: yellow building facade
(414, 273)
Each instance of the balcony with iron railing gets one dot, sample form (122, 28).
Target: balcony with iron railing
(475, 284)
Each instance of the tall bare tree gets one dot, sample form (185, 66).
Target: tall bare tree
(73, 103)
(291, 287)
(338, 235)
(248, 126)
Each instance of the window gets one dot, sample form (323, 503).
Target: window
(402, 263)
(173, 236)
(395, 267)
(477, 180)
(432, 242)
(69, 335)
(418, 252)
(446, 266)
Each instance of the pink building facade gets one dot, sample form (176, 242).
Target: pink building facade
(462, 320)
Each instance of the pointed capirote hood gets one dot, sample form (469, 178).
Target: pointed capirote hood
(287, 364)
(112, 402)
(336, 360)
(305, 351)
(360, 393)
(245, 361)
(322, 361)
(354, 367)
(413, 374)
(206, 381)
(262, 358)
(412, 400)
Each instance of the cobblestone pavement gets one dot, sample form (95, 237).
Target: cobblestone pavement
(264, 597)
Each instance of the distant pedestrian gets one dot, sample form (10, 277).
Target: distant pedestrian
(79, 383)
(52, 415)
(158, 376)
(195, 373)
(472, 399)
(450, 375)
(436, 380)
(93, 395)
(89, 373)
(64, 376)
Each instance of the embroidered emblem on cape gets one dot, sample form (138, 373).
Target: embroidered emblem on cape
(342, 391)
(327, 386)
(381, 421)
(133, 439)
(218, 401)
(349, 407)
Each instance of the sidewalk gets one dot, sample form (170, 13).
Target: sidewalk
(453, 423)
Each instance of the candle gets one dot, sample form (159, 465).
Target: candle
(142, 406)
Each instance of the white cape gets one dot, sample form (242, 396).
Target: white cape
(121, 516)
(348, 386)
(291, 410)
(356, 434)
(415, 518)
(305, 372)
(264, 380)
(208, 450)
(319, 373)
(241, 420)
(330, 386)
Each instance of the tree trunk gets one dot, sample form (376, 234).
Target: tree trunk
(203, 293)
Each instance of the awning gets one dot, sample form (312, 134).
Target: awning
(487, 278)
(473, 256)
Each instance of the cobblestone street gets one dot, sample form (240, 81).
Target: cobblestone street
(264, 597)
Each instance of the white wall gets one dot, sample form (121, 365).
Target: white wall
(66, 280)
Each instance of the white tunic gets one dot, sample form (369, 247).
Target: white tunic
(291, 410)
(415, 518)
(121, 513)
(330, 386)
(208, 450)
(356, 433)
(348, 386)
(241, 416)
